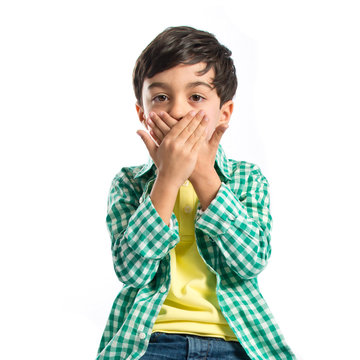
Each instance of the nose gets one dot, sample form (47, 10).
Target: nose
(179, 108)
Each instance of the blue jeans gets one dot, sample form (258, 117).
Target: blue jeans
(166, 346)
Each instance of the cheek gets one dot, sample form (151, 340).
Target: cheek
(210, 128)
(148, 108)
(213, 121)
(213, 118)
(149, 105)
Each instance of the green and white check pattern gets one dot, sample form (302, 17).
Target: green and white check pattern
(233, 238)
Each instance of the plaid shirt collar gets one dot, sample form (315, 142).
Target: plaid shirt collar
(221, 161)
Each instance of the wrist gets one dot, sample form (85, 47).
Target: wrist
(205, 175)
(163, 197)
(168, 182)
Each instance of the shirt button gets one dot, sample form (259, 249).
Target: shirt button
(231, 217)
(187, 209)
(163, 289)
(142, 335)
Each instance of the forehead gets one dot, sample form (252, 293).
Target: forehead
(181, 75)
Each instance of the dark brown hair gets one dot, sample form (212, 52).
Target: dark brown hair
(186, 45)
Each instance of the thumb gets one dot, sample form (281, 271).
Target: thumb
(217, 134)
(149, 143)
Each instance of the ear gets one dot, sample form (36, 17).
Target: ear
(225, 112)
(141, 115)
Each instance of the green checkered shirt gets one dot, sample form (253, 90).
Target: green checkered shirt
(233, 238)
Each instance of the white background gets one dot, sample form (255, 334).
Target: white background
(68, 125)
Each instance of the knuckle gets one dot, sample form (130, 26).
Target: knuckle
(175, 146)
(167, 143)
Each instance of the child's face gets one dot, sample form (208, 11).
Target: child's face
(178, 91)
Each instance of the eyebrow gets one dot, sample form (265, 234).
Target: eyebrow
(189, 85)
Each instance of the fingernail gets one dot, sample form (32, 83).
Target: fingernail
(192, 113)
(202, 113)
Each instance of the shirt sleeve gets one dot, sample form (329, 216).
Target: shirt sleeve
(240, 225)
(140, 239)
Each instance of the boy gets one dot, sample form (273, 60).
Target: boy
(190, 229)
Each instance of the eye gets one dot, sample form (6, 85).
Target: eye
(197, 97)
(160, 98)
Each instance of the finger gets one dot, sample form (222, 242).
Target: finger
(191, 127)
(172, 122)
(198, 132)
(159, 123)
(180, 125)
(150, 145)
(155, 131)
(217, 135)
(156, 139)
(200, 141)
(169, 120)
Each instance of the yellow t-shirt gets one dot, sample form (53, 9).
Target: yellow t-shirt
(191, 306)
